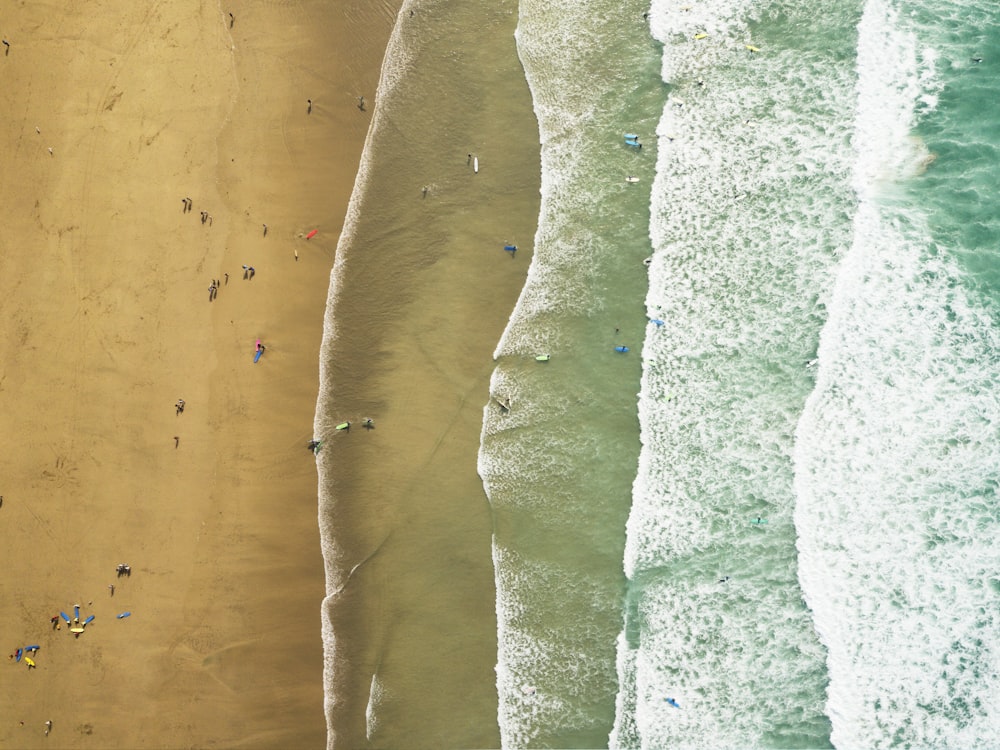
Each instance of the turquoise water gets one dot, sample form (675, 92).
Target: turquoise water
(805, 275)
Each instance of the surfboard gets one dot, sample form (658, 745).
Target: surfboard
(18, 654)
(29, 661)
(656, 322)
(343, 426)
(630, 178)
(89, 620)
(475, 164)
(543, 358)
(65, 617)
(759, 521)
(621, 349)
(122, 616)
(312, 234)
(752, 48)
(77, 629)
(673, 703)
(256, 356)
(701, 35)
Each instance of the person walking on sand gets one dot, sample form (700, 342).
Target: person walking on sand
(211, 292)
(177, 441)
(111, 588)
(265, 230)
(232, 20)
(227, 277)
(48, 727)
(246, 271)
(252, 271)
(361, 103)
(6, 45)
(309, 106)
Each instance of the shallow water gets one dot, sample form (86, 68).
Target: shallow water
(817, 349)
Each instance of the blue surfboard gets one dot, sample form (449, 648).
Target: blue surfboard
(122, 615)
(256, 356)
(621, 349)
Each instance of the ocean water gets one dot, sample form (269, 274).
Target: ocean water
(778, 508)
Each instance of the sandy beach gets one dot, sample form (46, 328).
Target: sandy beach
(114, 114)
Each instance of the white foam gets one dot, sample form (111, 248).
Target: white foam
(896, 453)
(747, 222)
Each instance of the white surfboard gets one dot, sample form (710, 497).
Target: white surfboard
(475, 165)
(630, 178)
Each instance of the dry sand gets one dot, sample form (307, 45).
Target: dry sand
(106, 322)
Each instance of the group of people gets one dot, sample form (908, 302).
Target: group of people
(124, 569)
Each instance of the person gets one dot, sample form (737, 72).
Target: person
(180, 405)
(313, 444)
(368, 424)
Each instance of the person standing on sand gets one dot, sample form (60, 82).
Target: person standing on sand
(309, 106)
(252, 271)
(177, 441)
(232, 20)
(227, 277)
(265, 230)
(48, 727)
(361, 103)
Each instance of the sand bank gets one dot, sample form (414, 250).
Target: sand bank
(105, 321)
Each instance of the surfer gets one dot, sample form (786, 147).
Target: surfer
(368, 424)
(313, 445)
(361, 103)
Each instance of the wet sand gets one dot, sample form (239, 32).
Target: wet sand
(106, 321)
(425, 290)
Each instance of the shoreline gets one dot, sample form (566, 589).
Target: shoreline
(420, 295)
(108, 322)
